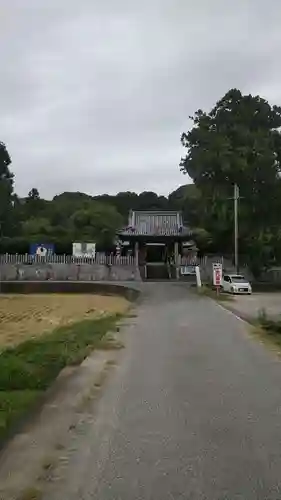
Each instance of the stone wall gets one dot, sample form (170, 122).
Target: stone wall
(68, 272)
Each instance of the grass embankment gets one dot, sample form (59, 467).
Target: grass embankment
(28, 369)
(268, 329)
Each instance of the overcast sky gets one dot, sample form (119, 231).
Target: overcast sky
(95, 93)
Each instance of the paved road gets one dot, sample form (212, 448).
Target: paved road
(192, 411)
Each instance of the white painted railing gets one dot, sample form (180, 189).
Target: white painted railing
(99, 258)
(192, 261)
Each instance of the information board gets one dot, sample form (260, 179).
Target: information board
(217, 274)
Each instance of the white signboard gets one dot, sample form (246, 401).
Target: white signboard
(198, 276)
(217, 274)
(186, 270)
(84, 249)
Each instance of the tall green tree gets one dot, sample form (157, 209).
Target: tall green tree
(187, 198)
(34, 206)
(97, 222)
(6, 190)
(33, 194)
(127, 200)
(238, 141)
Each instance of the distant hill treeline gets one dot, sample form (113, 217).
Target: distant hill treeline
(75, 216)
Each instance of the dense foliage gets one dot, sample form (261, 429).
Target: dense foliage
(238, 141)
(6, 190)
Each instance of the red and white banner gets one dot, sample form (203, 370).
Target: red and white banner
(217, 274)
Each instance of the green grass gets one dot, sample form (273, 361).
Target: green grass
(13, 405)
(29, 368)
(270, 328)
(207, 291)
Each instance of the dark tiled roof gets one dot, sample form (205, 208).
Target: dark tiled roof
(155, 224)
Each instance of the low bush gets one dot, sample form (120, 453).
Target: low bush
(272, 327)
(269, 328)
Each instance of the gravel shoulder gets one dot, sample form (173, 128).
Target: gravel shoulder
(250, 306)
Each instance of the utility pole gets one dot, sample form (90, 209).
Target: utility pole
(236, 198)
(0, 262)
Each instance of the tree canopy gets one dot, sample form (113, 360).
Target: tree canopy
(238, 141)
(6, 189)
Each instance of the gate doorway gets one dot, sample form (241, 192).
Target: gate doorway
(155, 252)
(156, 261)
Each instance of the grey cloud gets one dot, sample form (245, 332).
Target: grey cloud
(94, 95)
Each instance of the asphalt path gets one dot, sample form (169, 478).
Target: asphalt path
(191, 411)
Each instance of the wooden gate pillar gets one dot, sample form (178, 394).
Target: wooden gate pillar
(137, 254)
(176, 253)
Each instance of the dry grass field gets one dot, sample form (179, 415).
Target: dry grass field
(27, 316)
